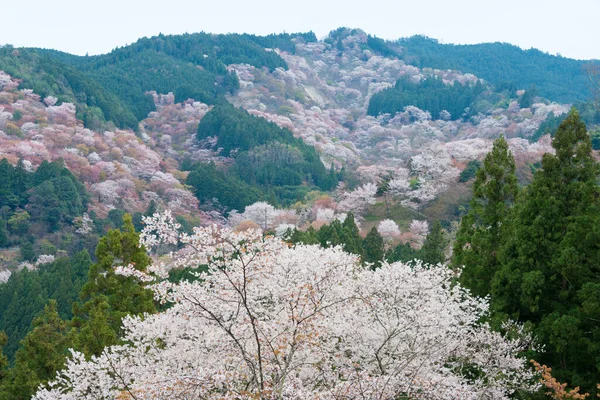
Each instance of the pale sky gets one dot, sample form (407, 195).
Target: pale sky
(568, 27)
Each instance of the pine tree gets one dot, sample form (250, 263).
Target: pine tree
(551, 265)
(479, 238)
(373, 247)
(433, 250)
(109, 297)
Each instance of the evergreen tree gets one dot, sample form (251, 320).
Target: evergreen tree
(3, 358)
(551, 265)
(310, 236)
(3, 234)
(109, 297)
(43, 352)
(373, 248)
(403, 253)
(478, 240)
(330, 235)
(434, 247)
(350, 236)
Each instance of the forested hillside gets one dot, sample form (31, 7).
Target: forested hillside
(557, 78)
(249, 215)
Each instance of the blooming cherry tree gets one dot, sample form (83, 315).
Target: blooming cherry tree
(359, 199)
(269, 321)
(419, 229)
(262, 213)
(388, 229)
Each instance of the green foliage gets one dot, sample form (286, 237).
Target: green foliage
(3, 358)
(383, 47)
(548, 127)
(108, 297)
(237, 130)
(555, 77)
(431, 95)
(402, 253)
(3, 234)
(595, 138)
(306, 237)
(526, 99)
(23, 297)
(549, 263)
(478, 240)
(282, 41)
(373, 248)
(209, 183)
(51, 195)
(433, 250)
(350, 236)
(163, 63)
(49, 76)
(43, 352)
(269, 161)
(336, 233)
(470, 171)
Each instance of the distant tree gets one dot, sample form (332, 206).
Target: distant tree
(262, 213)
(3, 358)
(3, 234)
(388, 229)
(403, 252)
(350, 236)
(526, 99)
(373, 248)
(433, 250)
(470, 171)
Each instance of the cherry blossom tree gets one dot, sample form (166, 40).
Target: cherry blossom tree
(419, 229)
(359, 199)
(389, 230)
(269, 321)
(262, 213)
(4, 274)
(44, 259)
(84, 224)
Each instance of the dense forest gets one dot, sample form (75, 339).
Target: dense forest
(269, 162)
(48, 76)
(113, 86)
(555, 77)
(431, 95)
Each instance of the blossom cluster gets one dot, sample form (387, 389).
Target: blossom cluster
(266, 320)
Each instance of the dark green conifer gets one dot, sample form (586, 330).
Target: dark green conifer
(43, 352)
(551, 265)
(350, 236)
(478, 240)
(373, 248)
(109, 297)
(433, 250)
(3, 358)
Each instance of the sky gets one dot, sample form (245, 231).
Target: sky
(566, 27)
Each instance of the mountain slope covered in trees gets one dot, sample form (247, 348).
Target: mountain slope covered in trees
(555, 77)
(348, 141)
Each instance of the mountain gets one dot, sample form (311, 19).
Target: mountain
(234, 119)
(555, 77)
